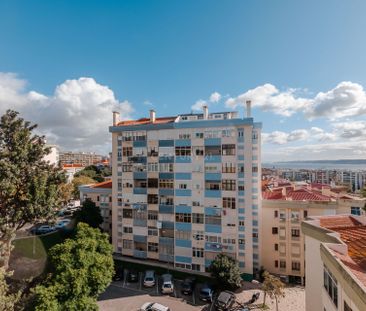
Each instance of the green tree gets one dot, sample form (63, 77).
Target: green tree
(89, 214)
(66, 192)
(94, 172)
(29, 186)
(82, 269)
(273, 287)
(79, 181)
(7, 300)
(226, 270)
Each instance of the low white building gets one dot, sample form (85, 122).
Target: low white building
(335, 263)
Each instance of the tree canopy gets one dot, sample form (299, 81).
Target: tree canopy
(89, 214)
(82, 269)
(226, 270)
(29, 186)
(273, 287)
(95, 172)
(79, 181)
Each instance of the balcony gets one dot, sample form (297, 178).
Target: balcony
(166, 209)
(139, 190)
(212, 193)
(213, 247)
(139, 254)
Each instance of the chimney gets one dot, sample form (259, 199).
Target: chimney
(205, 112)
(152, 115)
(249, 108)
(115, 118)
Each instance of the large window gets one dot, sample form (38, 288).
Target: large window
(127, 213)
(295, 233)
(127, 151)
(229, 184)
(356, 211)
(295, 266)
(166, 183)
(212, 220)
(166, 167)
(183, 235)
(197, 252)
(228, 167)
(330, 284)
(228, 203)
(127, 244)
(182, 151)
(152, 247)
(197, 218)
(152, 198)
(228, 149)
(152, 215)
(183, 217)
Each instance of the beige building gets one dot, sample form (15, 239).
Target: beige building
(283, 210)
(81, 158)
(101, 195)
(70, 170)
(53, 156)
(335, 263)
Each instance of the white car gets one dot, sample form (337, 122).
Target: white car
(62, 223)
(45, 229)
(149, 279)
(153, 306)
(167, 287)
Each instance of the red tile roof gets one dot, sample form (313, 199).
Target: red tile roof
(104, 184)
(72, 165)
(338, 222)
(147, 121)
(307, 195)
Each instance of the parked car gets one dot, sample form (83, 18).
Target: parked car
(149, 279)
(206, 293)
(45, 229)
(153, 306)
(225, 300)
(61, 224)
(188, 286)
(132, 276)
(118, 274)
(167, 287)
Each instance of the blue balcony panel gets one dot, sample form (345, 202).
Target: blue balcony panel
(166, 191)
(213, 176)
(212, 159)
(181, 226)
(212, 193)
(213, 228)
(183, 243)
(182, 142)
(213, 211)
(140, 238)
(140, 222)
(166, 241)
(183, 192)
(166, 175)
(183, 176)
(213, 247)
(183, 159)
(166, 143)
(140, 254)
(240, 157)
(241, 193)
(139, 143)
(166, 159)
(167, 224)
(139, 175)
(213, 142)
(183, 259)
(166, 209)
(240, 175)
(139, 190)
(183, 209)
(166, 258)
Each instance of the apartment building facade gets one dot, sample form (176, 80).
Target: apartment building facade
(101, 195)
(283, 249)
(79, 158)
(186, 188)
(335, 263)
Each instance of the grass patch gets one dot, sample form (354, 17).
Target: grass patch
(159, 270)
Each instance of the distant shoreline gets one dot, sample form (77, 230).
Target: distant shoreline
(351, 165)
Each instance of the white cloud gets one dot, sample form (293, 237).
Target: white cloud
(75, 117)
(281, 138)
(198, 105)
(351, 129)
(215, 97)
(268, 98)
(321, 135)
(347, 99)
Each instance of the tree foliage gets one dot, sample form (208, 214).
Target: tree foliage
(79, 181)
(7, 300)
(66, 192)
(89, 214)
(29, 186)
(82, 269)
(226, 270)
(273, 287)
(95, 172)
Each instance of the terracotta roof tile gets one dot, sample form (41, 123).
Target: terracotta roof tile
(104, 184)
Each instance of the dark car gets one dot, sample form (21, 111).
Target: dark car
(133, 276)
(206, 293)
(118, 275)
(188, 286)
(225, 300)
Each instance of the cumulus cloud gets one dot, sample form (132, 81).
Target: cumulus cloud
(347, 99)
(75, 117)
(268, 98)
(281, 138)
(215, 97)
(199, 104)
(321, 135)
(352, 129)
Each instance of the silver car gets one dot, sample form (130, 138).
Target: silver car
(167, 287)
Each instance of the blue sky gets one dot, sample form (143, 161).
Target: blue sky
(170, 54)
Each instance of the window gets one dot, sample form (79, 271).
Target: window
(184, 136)
(212, 220)
(282, 264)
(127, 244)
(127, 229)
(228, 149)
(276, 263)
(152, 215)
(228, 203)
(241, 223)
(295, 233)
(212, 150)
(198, 151)
(152, 231)
(183, 217)
(241, 241)
(127, 151)
(282, 232)
(199, 135)
(241, 168)
(97, 198)
(152, 247)
(197, 218)
(229, 184)
(276, 247)
(198, 235)
(274, 230)
(196, 203)
(212, 185)
(295, 216)
(228, 167)
(152, 182)
(295, 266)
(282, 215)
(127, 213)
(197, 252)
(166, 167)
(213, 239)
(275, 214)
(183, 266)
(196, 267)
(183, 151)
(182, 186)
(255, 169)
(305, 214)
(166, 183)
(152, 199)
(356, 211)
(330, 284)
(231, 225)
(183, 235)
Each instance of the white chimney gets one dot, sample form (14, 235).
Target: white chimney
(249, 108)
(205, 112)
(152, 115)
(115, 118)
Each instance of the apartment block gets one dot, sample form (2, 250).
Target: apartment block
(80, 158)
(186, 188)
(335, 263)
(283, 210)
(101, 195)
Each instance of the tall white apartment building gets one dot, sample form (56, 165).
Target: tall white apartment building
(186, 188)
